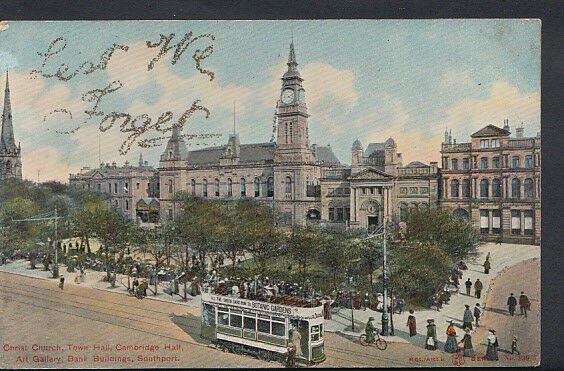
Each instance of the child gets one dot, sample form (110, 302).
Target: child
(514, 346)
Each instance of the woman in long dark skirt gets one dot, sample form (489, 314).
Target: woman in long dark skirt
(451, 346)
(467, 343)
(491, 351)
(412, 323)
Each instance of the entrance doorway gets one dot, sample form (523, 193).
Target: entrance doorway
(373, 221)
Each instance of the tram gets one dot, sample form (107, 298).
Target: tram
(264, 329)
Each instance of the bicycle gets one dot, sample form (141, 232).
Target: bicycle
(380, 343)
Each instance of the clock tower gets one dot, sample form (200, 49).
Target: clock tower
(291, 113)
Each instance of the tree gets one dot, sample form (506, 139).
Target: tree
(418, 269)
(152, 243)
(305, 244)
(456, 236)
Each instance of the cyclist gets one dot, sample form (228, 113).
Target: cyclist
(369, 330)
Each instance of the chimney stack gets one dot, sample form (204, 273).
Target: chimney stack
(520, 131)
(506, 124)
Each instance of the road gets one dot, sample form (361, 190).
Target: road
(42, 326)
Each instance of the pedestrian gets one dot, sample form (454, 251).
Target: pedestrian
(412, 323)
(62, 283)
(366, 300)
(297, 341)
(468, 284)
(511, 304)
(477, 313)
(467, 318)
(514, 346)
(327, 308)
(524, 304)
(467, 343)
(135, 286)
(400, 303)
(291, 357)
(431, 341)
(357, 300)
(487, 266)
(478, 288)
(492, 344)
(451, 344)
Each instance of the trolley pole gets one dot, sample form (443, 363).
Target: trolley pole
(56, 266)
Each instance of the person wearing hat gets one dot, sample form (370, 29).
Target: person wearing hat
(477, 313)
(467, 318)
(524, 304)
(467, 343)
(431, 341)
(412, 324)
(451, 345)
(478, 286)
(492, 344)
(369, 329)
(511, 304)
(514, 345)
(468, 285)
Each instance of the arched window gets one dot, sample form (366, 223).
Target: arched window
(288, 184)
(216, 187)
(257, 187)
(229, 187)
(413, 206)
(243, 187)
(403, 211)
(516, 188)
(529, 188)
(270, 187)
(484, 185)
(193, 186)
(205, 188)
(466, 189)
(454, 188)
(496, 188)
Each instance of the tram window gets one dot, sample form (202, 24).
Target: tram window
(208, 314)
(321, 330)
(278, 329)
(223, 318)
(250, 323)
(263, 326)
(314, 333)
(235, 321)
(279, 319)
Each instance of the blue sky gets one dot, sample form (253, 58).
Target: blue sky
(366, 79)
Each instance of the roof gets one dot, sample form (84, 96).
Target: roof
(416, 164)
(249, 153)
(390, 143)
(373, 147)
(325, 155)
(356, 145)
(490, 131)
(371, 173)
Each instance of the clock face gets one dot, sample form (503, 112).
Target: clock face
(301, 96)
(288, 96)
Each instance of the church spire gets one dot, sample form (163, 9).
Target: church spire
(292, 63)
(7, 142)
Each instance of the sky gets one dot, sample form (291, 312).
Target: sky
(364, 79)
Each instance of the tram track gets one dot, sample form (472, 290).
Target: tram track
(98, 309)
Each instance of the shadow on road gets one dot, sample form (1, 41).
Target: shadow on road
(417, 339)
(190, 324)
(496, 310)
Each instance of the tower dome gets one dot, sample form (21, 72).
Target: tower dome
(357, 145)
(390, 143)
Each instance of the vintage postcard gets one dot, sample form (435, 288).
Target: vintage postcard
(248, 194)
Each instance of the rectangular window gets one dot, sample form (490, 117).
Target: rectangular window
(223, 318)
(109, 187)
(515, 162)
(331, 213)
(263, 326)
(484, 163)
(466, 163)
(496, 221)
(529, 224)
(235, 320)
(340, 212)
(528, 162)
(315, 333)
(169, 214)
(515, 221)
(495, 162)
(484, 221)
(454, 164)
(495, 143)
(278, 329)
(250, 323)
(115, 188)
(347, 213)
(138, 185)
(100, 187)
(484, 143)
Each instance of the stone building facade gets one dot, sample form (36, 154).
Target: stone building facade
(494, 180)
(10, 154)
(134, 190)
(306, 183)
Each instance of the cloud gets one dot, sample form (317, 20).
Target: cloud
(324, 83)
(505, 101)
(48, 160)
(4, 25)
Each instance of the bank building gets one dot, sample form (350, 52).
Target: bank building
(304, 182)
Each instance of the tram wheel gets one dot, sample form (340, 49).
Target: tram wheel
(236, 349)
(264, 355)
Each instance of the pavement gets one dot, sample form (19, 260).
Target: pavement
(502, 258)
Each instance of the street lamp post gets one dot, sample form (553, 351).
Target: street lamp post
(385, 330)
(56, 266)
